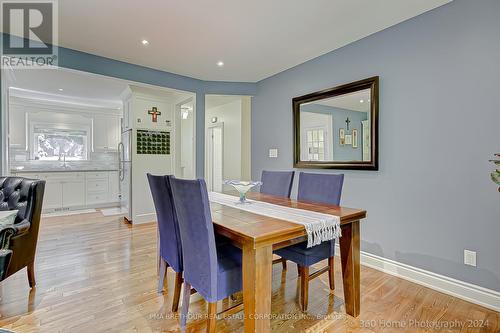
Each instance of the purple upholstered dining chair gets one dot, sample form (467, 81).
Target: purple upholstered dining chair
(170, 249)
(278, 183)
(213, 270)
(320, 188)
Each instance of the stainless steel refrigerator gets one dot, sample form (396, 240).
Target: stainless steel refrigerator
(125, 172)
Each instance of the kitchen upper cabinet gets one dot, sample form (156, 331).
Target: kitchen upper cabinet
(106, 133)
(127, 114)
(114, 133)
(17, 128)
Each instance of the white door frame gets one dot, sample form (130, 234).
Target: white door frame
(207, 149)
(178, 119)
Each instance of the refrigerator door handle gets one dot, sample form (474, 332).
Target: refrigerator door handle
(121, 162)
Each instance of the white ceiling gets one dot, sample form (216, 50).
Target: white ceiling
(356, 101)
(79, 87)
(75, 85)
(255, 39)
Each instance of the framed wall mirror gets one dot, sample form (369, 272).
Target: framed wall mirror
(337, 128)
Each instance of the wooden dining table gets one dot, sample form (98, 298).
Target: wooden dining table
(258, 235)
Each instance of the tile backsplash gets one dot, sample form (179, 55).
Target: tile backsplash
(19, 160)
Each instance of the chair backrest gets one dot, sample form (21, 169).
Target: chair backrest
(197, 235)
(323, 188)
(18, 193)
(26, 196)
(168, 227)
(277, 183)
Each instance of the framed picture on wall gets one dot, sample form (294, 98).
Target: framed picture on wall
(348, 139)
(341, 136)
(354, 138)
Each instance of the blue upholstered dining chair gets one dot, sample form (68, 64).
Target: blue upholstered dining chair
(278, 183)
(321, 188)
(170, 249)
(213, 270)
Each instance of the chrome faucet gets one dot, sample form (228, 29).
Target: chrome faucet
(64, 159)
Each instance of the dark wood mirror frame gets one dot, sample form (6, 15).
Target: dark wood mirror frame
(370, 83)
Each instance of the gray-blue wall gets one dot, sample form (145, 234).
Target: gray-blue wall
(342, 152)
(86, 62)
(439, 125)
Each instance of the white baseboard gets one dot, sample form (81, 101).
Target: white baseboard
(469, 292)
(144, 218)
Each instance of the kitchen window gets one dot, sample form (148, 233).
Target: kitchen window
(52, 144)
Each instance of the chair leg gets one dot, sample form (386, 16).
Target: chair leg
(212, 317)
(31, 274)
(304, 287)
(162, 275)
(185, 304)
(331, 270)
(282, 260)
(177, 291)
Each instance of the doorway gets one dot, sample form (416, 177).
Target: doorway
(215, 157)
(233, 115)
(185, 136)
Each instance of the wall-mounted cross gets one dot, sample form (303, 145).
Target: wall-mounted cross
(347, 121)
(154, 114)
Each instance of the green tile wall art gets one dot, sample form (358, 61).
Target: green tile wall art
(153, 142)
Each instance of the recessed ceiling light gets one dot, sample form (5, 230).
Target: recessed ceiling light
(361, 100)
(60, 89)
(145, 42)
(220, 63)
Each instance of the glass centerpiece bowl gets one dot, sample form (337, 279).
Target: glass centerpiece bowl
(242, 187)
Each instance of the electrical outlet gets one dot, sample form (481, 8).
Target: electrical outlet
(470, 258)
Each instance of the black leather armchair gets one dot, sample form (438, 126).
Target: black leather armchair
(18, 241)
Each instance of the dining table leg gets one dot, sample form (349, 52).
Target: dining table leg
(257, 274)
(349, 256)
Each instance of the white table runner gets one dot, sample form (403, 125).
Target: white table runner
(319, 227)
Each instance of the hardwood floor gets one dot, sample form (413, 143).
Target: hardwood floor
(96, 273)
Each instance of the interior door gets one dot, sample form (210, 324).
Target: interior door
(215, 158)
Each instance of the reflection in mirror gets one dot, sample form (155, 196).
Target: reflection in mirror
(336, 128)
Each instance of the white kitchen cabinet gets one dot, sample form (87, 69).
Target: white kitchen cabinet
(73, 194)
(127, 114)
(114, 133)
(76, 190)
(17, 128)
(63, 190)
(106, 133)
(100, 133)
(97, 187)
(52, 197)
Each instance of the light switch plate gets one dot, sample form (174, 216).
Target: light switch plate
(273, 152)
(470, 258)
